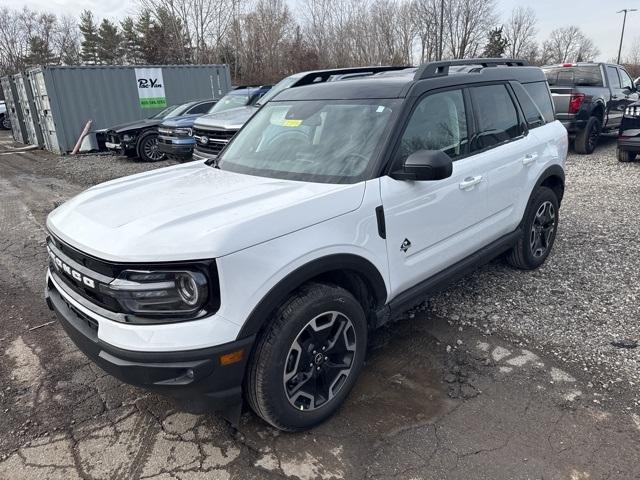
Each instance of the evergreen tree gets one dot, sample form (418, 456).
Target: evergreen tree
(497, 44)
(108, 43)
(40, 52)
(147, 38)
(130, 42)
(90, 41)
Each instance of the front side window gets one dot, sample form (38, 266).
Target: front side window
(496, 116)
(327, 141)
(439, 122)
(625, 79)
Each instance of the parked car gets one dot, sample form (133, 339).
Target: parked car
(175, 135)
(5, 121)
(212, 132)
(140, 138)
(337, 207)
(629, 135)
(590, 98)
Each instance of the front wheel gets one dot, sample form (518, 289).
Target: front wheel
(148, 148)
(308, 359)
(539, 227)
(6, 122)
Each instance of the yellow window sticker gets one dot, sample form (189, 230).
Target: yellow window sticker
(291, 123)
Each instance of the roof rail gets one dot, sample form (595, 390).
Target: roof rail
(319, 76)
(441, 69)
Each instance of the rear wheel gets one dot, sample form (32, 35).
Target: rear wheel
(308, 359)
(148, 148)
(625, 155)
(587, 139)
(6, 122)
(539, 227)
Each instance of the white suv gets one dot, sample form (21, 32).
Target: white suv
(259, 274)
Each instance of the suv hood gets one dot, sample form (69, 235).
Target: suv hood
(193, 211)
(232, 119)
(136, 125)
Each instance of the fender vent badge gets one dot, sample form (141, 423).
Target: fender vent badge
(405, 245)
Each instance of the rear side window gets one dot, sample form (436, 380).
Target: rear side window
(539, 93)
(582, 76)
(614, 79)
(439, 122)
(496, 116)
(532, 113)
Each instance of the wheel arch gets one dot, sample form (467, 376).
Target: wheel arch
(553, 178)
(354, 273)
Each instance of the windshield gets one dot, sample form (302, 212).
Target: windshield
(169, 112)
(233, 100)
(314, 140)
(277, 88)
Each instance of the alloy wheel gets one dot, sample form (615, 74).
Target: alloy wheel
(151, 151)
(319, 361)
(542, 229)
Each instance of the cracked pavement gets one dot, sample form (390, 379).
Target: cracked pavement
(435, 400)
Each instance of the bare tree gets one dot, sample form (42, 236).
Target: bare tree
(520, 31)
(467, 22)
(568, 44)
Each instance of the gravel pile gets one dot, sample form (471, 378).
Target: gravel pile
(587, 295)
(89, 170)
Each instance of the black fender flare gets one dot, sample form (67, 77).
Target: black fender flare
(319, 266)
(553, 171)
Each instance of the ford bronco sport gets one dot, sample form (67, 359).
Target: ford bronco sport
(259, 274)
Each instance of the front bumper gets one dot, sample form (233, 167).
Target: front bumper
(196, 378)
(629, 144)
(178, 147)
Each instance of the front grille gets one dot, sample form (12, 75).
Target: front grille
(63, 271)
(212, 141)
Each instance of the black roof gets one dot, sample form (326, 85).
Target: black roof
(398, 83)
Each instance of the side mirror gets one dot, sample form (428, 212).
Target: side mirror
(425, 165)
(628, 90)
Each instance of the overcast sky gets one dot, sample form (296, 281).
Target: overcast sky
(597, 18)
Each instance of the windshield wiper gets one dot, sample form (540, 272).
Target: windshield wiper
(213, 162)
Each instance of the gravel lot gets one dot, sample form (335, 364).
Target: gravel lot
(507, 374)
(587, 294)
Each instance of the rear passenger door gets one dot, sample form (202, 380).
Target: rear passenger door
(502, 142)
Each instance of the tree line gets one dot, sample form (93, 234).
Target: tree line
(264, 40)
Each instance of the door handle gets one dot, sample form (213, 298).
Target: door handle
(470, 182)
(529, 158)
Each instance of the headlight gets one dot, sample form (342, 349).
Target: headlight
(632, 111)
(159, 292)
(183, 131)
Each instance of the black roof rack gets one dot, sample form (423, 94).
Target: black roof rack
(319, 76)
(441, 69)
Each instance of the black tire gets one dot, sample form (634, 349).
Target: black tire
(531, 251)
(5, 122)
(587, 139)
(625, 155)
(147, 147)
(284, 357)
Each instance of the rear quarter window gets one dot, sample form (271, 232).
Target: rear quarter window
(579, 76)
(539, 93)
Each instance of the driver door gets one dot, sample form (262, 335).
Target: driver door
(433, 224)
